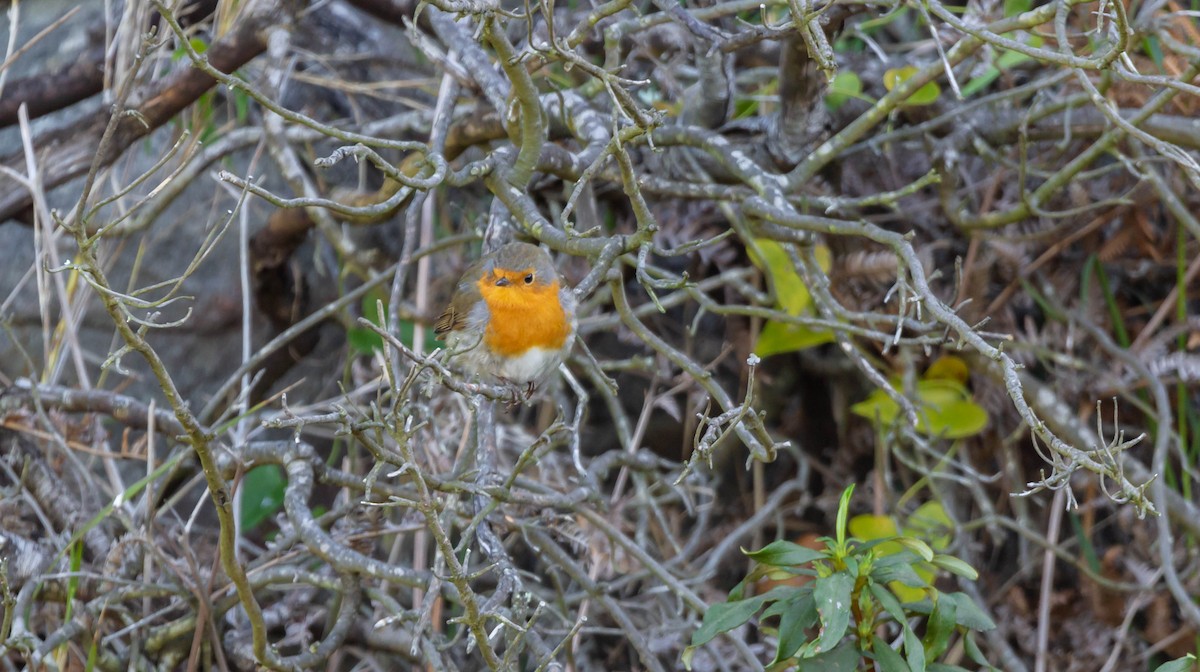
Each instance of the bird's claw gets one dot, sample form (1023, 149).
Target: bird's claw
(520, 396)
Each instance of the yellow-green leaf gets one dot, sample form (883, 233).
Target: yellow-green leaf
(869, 527)
(922, 96)
(941, 391)
(790, 290)
(878, 407)
(944, 408)
(778, 337)
(1015, 7)
(909, 593)
(954, 420)
(948, 367)
(793, 297)
(930, 522)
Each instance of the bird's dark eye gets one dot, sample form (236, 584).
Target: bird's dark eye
(529, 279)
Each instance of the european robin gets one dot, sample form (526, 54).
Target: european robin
(510, 318)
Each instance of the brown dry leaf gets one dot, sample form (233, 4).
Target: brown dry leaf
(1193, 340)
(1019, 603)
(1162, 626)
(1108, 605)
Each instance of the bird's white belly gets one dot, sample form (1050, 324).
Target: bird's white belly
(531, 365)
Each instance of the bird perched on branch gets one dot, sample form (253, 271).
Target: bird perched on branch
(511, 319)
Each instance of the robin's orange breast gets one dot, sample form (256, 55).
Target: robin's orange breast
(522, 316)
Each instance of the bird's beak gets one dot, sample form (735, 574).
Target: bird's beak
(503, 282)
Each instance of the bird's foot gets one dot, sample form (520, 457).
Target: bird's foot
(519, 395)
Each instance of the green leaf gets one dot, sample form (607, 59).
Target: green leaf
(1009, 59)
(799, 615)
(842, 659)
(372, 304)
(967, 613)
(75, 563)
(725, 616)
(913, 651)
(845, 85)
(93, 656)
(742, 107)
(198, 45)
(832, 596)
(955, 566)
(1015, 7)
(1185, 664)
(745, 107)
(794, 596)
(262, 494)
(973, 652)
(905, 580)
(1153, 48)
(363, 340)
(925, 95)
(848, 45)
(888, 601)
(784, 553)
(874, 24)
(886, 656)
(940, 628)
(893, 564)
(920, 548)
(241, 105)
(905, 575)
(981, 81)
(842, 512)
(738, 592)
(976, 656)
(852, 565)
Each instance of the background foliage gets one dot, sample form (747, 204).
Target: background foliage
(944, 251)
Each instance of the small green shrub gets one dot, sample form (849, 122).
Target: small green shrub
(843, 617)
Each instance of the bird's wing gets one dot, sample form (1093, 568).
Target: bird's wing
(456, 315)
(451, 319)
